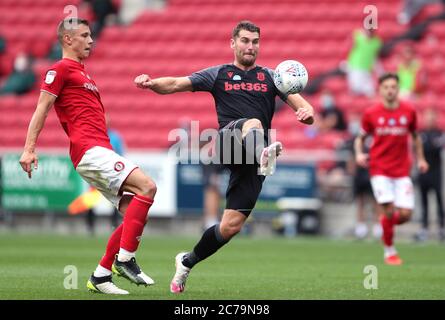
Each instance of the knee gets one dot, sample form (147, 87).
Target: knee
(251, 124)
(148, 188)
(254, 123)
(230, 229)
(388, 210)
(405, 216)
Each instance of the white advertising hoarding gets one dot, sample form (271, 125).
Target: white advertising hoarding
(163, 171)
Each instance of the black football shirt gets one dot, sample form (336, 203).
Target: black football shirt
(238, 93)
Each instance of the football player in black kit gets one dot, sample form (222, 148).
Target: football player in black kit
(244, 95)
(433, 140)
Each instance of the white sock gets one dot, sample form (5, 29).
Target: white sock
(125, 255)
(389, 251)
(101, 271)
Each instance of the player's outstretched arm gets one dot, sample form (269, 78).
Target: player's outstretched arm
(29, 158)
(164, 85)
(422, 164)
(303, 109)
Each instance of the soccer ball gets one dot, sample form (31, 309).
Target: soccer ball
(290, 77)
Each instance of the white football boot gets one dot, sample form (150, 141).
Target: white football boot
(104, 285)
(268, 159)
(182, 272)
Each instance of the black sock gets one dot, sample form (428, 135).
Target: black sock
(210, 242)
(254, 143)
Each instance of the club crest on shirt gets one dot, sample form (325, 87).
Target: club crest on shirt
(260, 76)
(119, 166)
(403, 120)
(391, 122)
(50, 76)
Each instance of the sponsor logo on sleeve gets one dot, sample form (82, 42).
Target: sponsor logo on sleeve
(50, 76)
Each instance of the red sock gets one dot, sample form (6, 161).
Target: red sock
(134, 222)
(388, 230)
(112, 248)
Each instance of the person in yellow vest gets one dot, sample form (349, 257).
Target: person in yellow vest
(412, 78)
(362, 60)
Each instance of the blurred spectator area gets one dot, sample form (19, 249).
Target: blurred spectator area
(188, 35)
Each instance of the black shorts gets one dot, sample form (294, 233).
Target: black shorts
(362, 183)
(245, 182)
(431, 180)
(245, 185)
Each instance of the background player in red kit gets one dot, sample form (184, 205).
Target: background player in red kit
(391, 122)
(78, 105)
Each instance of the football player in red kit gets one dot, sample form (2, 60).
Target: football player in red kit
(391, 122)
(78, 105)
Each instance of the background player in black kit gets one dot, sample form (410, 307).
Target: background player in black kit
(244, 95)
(433, 140)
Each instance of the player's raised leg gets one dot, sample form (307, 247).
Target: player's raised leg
(255, 144)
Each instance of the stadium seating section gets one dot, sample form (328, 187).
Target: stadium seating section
(189, 35)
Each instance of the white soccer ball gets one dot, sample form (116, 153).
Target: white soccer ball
(290, 77)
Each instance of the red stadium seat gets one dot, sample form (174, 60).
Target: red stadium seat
(189, 35)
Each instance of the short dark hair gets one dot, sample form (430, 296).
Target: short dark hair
(62, 27)
(387, 76)
(245, 25)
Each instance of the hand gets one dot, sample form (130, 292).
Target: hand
(305, 115)
(143, 81)
(362, 159)
(27, 160)
(422, 165)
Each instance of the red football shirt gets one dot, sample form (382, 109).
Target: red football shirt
(78, 107)
(389, 154)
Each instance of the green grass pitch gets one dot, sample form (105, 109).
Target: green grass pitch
(32, 267)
